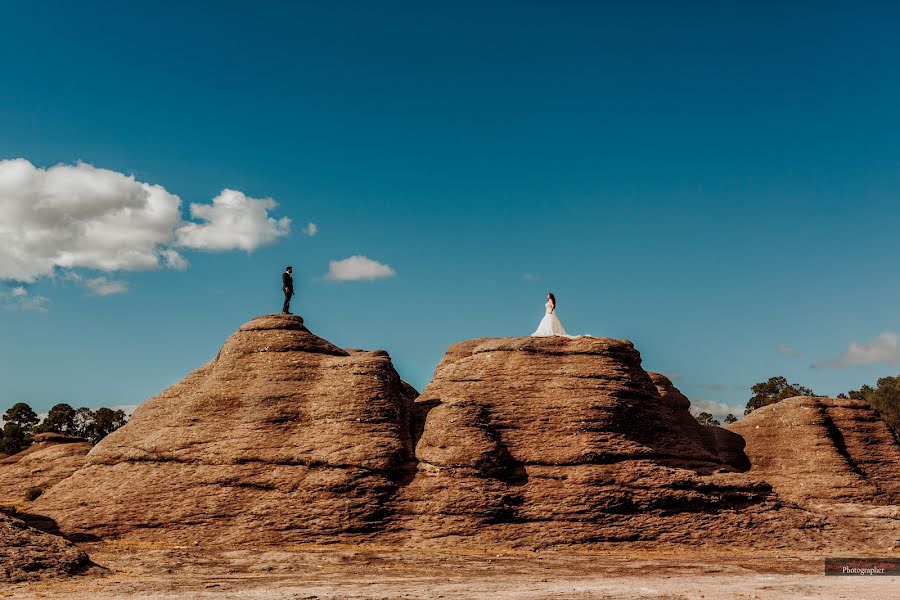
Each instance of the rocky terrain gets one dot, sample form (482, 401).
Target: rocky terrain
(548, 442)
(286, 441)
(282, 437)
(50, 459)
(26, 553)
(833, 457)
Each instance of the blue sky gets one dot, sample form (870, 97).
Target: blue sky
(717, 182)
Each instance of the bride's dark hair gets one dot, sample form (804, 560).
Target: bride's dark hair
(552, 298)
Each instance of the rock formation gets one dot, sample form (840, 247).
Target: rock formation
(26, 553)
(516, 442)
(835, 457)
(50, 459)
(552, 441)
(726, 446)
(282, 437)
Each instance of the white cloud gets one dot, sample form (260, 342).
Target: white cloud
(233, 220)
(173, 260)
(786, 350)
(19, 298)
(358, 268)
(101, 286)
(83, 217)
(98, 286)
(717, 409)
(530, 276)
(883, 349)
(311, 229)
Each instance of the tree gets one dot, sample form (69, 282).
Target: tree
(60, 419)
(21, 414)
(774, 390)
(20, 420)
(707, 419)
(82, 421)
(730, 418)
(15, 438)
(105, 422)
(885, 398)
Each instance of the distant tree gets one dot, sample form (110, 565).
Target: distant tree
(105, 421)
(707, 419)
(730, 418)
(774, 390)
(19, 419)
(885, 398)
(60, 419)
(82, 421)
(15, 438)
(22, 422)
(21, 414)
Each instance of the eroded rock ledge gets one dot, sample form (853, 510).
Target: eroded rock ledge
(282, 437)
(516, 442)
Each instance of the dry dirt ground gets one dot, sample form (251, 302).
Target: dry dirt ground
(332, 572)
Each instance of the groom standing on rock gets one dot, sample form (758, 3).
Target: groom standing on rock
(287, 284)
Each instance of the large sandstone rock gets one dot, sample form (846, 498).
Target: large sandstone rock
(26, 553)
(50, 459)
(552, 441)
(517, 442)
(282, 437)
(835, 457)
(726, 446)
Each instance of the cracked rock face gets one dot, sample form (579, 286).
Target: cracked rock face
(552, 441)
(834, 457)
(517, 442)
(26, 553)
(282, 437)
(50, 459)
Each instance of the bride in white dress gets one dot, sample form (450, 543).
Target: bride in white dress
(550, 324)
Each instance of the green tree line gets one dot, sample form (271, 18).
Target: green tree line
(20, 422)
(884, 398)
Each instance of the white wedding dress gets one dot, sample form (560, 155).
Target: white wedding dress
(550, 325)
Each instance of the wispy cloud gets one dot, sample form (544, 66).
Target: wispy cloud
(128, 409)
(530, 276)
(716, 387)
(883, 349)
(101, 286)
(786, 350)
(20, 298)
(717, 409)
(358, 268)
(311, 229)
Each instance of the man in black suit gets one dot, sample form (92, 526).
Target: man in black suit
(287, 284)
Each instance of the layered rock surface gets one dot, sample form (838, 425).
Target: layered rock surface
(26, 553)
(835, 457)
(522, 442)
(50, 459)
(282, 437)
(555, 441)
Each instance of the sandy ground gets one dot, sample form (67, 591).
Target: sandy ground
(320, 573)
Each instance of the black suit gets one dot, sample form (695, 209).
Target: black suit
(287, 286)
